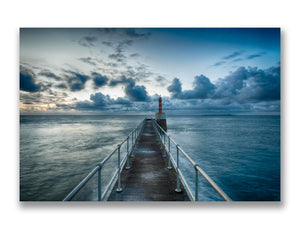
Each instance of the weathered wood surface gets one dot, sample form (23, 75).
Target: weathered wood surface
(148, 178)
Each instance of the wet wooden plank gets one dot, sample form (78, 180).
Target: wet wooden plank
(148, 179)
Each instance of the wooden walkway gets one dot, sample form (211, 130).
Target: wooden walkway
(148, 178)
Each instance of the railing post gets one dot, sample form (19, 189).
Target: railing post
(99, 181)
(169, 162)
(196, 182)
(164, 155)
(119, 189)
(131, 144)
(128, 166)
(177, 168)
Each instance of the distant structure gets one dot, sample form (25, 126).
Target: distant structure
(161, 116)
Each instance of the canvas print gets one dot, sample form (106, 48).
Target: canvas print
(149, 114)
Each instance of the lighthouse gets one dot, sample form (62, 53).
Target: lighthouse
(161, 116)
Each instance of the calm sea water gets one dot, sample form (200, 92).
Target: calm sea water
(240, 153)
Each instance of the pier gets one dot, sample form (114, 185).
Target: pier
(148, 168)
(148, 178)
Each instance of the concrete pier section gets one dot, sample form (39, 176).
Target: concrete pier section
(148, 178)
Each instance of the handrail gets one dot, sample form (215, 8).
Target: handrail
(133, 136)
(176, 163)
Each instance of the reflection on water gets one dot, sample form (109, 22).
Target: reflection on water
(240, 153)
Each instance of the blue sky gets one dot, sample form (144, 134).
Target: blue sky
(123, 71)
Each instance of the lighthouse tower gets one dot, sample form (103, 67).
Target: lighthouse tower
(161, 116)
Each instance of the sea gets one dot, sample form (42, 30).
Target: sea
(241, 153)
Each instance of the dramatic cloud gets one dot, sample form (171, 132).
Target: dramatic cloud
(27, 81)
(99, 80)
(133, 92)
(136, 92)
(98, 101)
(241, 86)
(202, 89)
(115, 82)
(175, 88)
(76, 81)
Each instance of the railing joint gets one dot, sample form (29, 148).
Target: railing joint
(100, 165)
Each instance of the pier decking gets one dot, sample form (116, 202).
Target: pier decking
(148, 178)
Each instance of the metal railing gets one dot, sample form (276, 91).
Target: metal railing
(133, 137)
(176, 163)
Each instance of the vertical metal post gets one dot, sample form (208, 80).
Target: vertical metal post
(177, 167)
(164, 155)
(196, 183)
(132, 144)
(119, 189)
(169, 162)
(128, 166)
(99, 181)
(131, 140)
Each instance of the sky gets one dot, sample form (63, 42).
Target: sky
(125, 70)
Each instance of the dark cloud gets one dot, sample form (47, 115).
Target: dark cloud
(202, 89)
(161, 80)
(108, 43)
(237, 60)
(27, 81)
(76, 81)
(243, 89)
(134, 55)
(28, 98)
(61, 86)
(261, 85)
(132, 33)
(219, 63)
(50, 75)
(99, 80)
(250, 84)
(115, 82)
(243, 86)
(233, 55)
(175, 88)
(88, 60)
(253, 56)
(135, 92)
(119, 50)
(87, 41)
(98, 101)
(119, 57)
